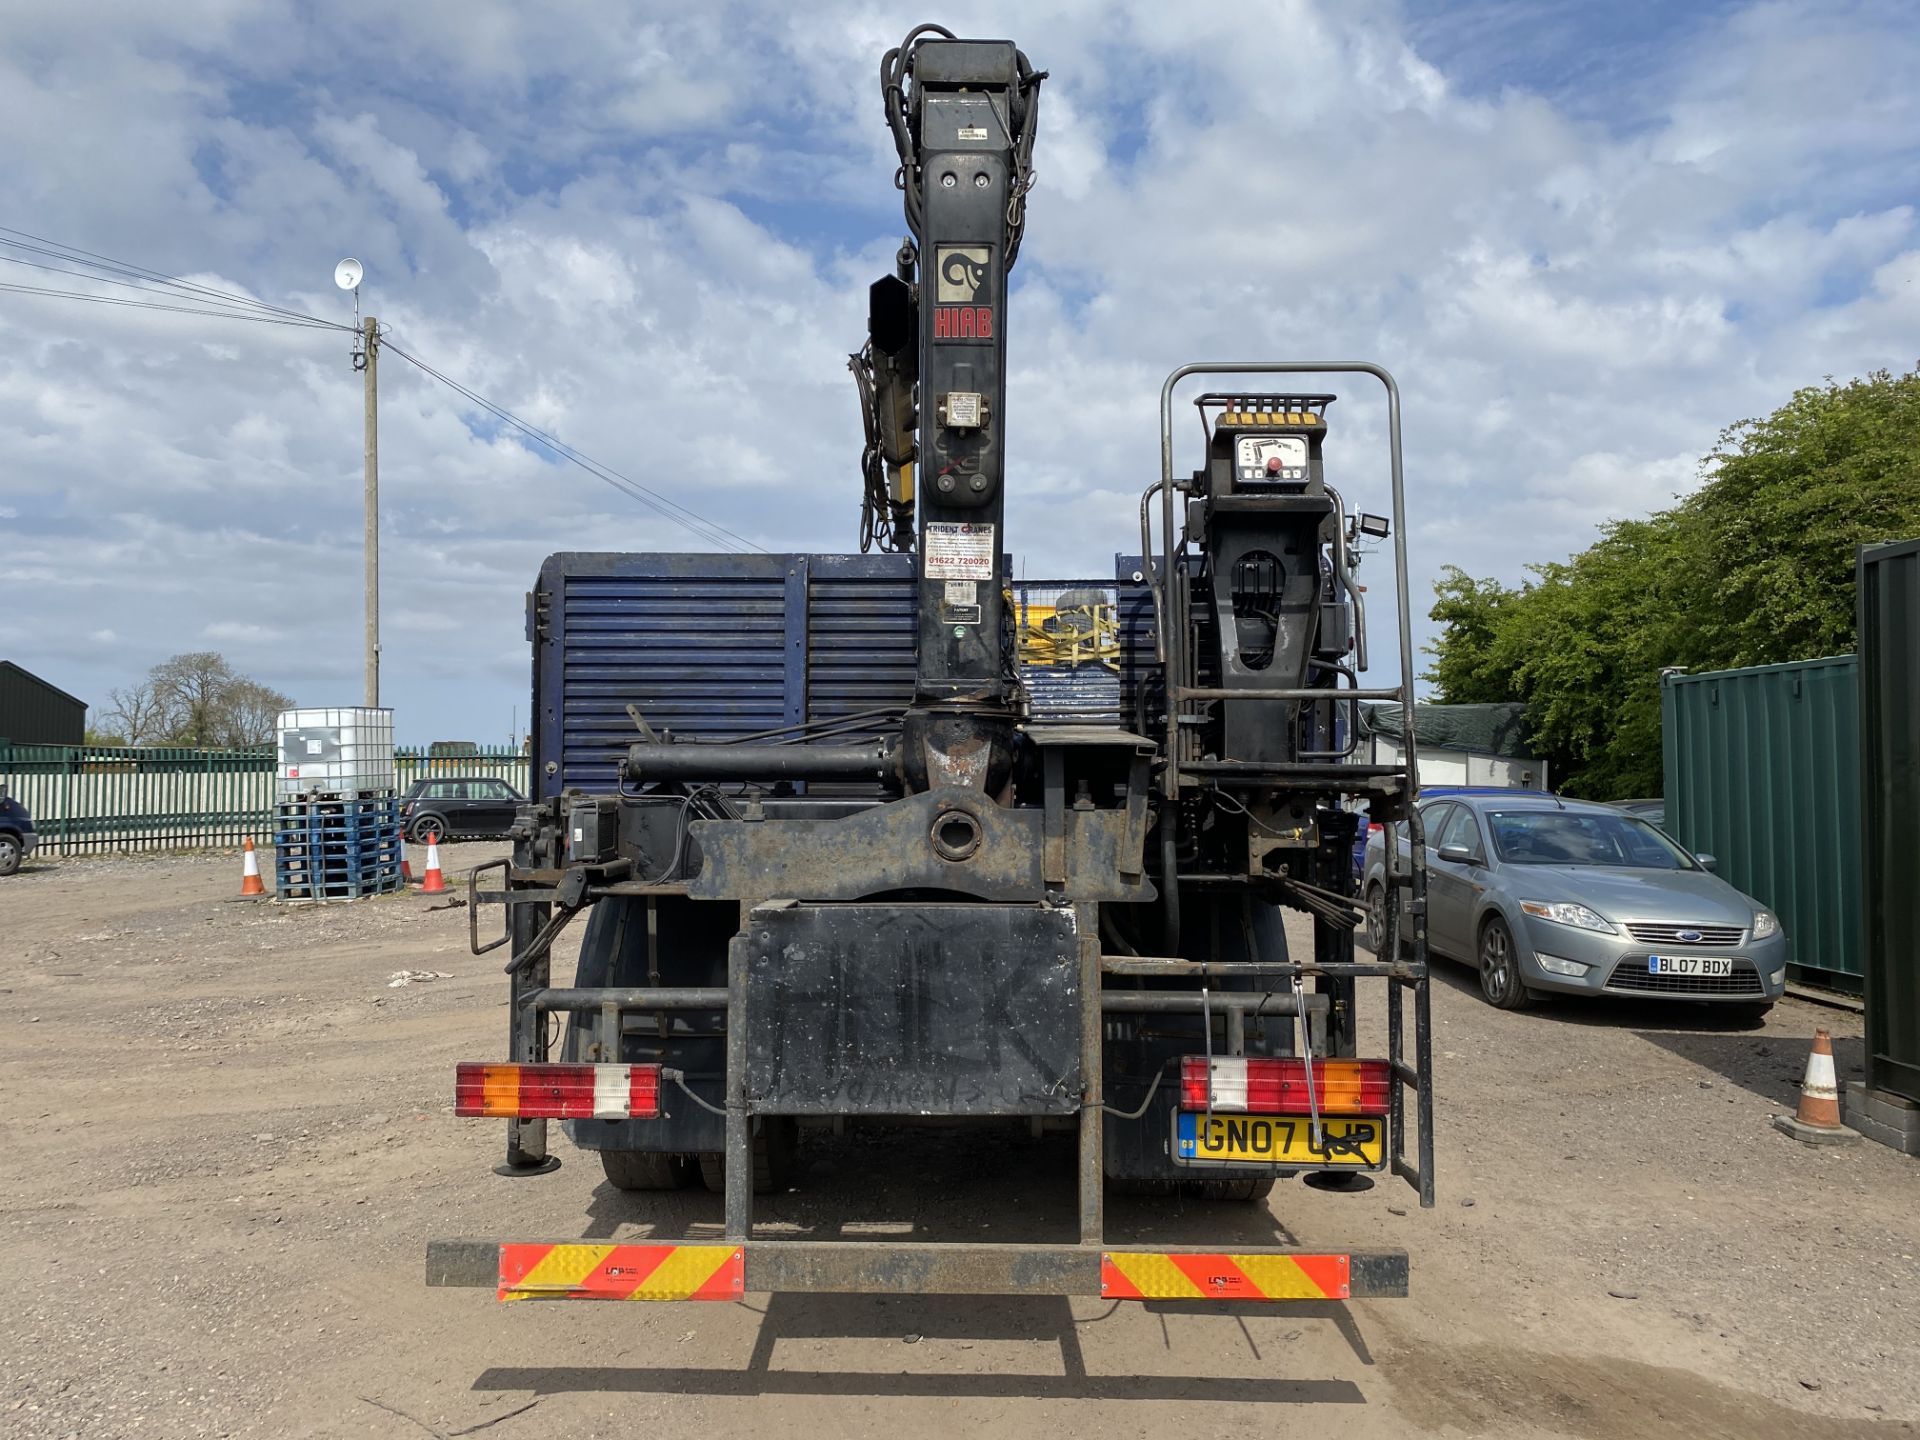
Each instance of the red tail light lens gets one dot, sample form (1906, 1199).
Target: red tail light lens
(557, 1092)
(1257, 1085)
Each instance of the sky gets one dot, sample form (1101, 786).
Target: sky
(1585, 238)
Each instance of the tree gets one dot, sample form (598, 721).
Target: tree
(250, 712)
(1755, 567)
(1789, 500)
(193, 689)
(198, 699)
(135, 713)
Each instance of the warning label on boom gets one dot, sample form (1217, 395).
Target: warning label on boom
(957, 551)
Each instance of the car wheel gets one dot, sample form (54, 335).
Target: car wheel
(1377, 918)
(421, 831)
(1500, 981)
(646, 1170)
(11, 853)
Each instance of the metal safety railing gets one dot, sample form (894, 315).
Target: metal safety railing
(1411, 1157)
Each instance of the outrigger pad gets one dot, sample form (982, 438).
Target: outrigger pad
(913, 1010)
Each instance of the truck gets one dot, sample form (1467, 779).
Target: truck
(868, 839)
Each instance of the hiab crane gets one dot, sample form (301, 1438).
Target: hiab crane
(845, 855)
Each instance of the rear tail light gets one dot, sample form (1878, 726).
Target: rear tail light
(557, 1092)
(1262, 1086)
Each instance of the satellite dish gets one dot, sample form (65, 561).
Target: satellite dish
(347, 274)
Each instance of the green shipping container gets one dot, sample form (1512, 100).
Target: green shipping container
(1763, 773)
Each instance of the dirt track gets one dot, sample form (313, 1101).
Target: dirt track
(227, 1141)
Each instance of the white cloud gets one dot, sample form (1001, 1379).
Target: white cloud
(653, 236)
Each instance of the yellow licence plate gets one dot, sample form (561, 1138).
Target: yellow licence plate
(1279, 1139)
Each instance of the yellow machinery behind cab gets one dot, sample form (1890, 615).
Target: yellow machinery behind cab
(1080, 627)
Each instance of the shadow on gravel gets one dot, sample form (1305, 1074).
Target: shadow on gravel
(911, 1320)
(1744, 1050)
(1770, 1065)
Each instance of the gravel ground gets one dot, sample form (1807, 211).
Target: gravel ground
(228, 1140)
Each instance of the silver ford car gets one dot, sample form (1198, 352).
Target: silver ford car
(1549, 895)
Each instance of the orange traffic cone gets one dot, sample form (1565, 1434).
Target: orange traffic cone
(1817, 1121)
(434, 882)
(406, 869)
(250, 882)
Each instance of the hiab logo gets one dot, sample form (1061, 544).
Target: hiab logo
(961, 274)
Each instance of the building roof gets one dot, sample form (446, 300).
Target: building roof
(42, 682)
(1499, 729)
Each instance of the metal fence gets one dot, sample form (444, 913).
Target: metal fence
(104, 798)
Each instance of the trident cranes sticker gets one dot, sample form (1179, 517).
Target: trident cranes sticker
(953, 550)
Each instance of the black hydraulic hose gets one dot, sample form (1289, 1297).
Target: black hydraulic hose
(748, 763)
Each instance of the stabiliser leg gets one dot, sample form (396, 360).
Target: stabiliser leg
(527, 1153)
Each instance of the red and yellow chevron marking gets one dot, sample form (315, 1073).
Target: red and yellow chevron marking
(1143, 1275)
(621, 1272)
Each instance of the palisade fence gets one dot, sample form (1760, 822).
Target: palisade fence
(107, 798)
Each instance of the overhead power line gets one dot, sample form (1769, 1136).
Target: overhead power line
(189, 297)
(127, 272)
(176, 309)
(227, 306)
(711, 531)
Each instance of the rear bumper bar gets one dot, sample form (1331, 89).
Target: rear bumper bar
(569, 1270)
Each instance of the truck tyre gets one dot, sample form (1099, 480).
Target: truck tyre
(1240, 1191)
(10, 854)
(646, 1170)
(773, 1158)
(1500, 982)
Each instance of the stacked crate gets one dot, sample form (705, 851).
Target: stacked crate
(336, 826)
(336, 849)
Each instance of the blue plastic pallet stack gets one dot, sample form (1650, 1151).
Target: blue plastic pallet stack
(336, 848)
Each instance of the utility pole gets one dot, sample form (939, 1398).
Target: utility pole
(370, 369)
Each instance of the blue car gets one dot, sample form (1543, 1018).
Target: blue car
(17, 835)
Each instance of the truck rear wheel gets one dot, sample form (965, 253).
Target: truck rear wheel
(773, 1158)
(646, 1170)
(1244, 1191)
(1236, 1190)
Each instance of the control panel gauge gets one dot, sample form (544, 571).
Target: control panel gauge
(1271, 457)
